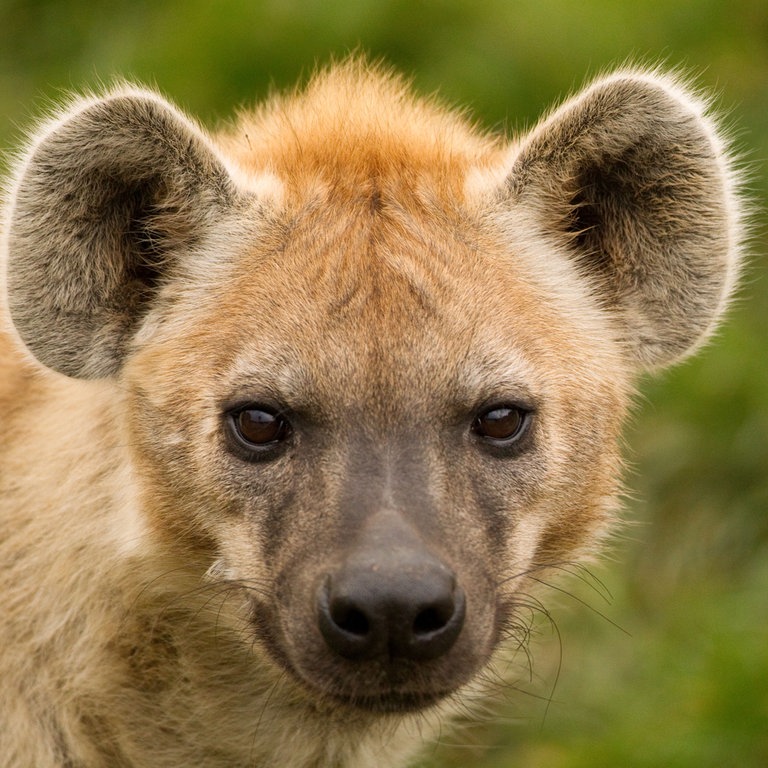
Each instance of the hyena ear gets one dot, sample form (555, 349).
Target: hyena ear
(108, 192)
(633, 172)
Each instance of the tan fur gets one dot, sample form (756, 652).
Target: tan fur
(380, 270)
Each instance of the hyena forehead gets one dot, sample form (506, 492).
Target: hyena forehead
(372, 337)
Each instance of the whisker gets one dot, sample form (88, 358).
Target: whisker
(579, 600)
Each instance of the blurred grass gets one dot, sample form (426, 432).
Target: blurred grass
(681, 684)
(688, 686)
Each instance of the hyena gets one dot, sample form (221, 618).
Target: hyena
(296, 415)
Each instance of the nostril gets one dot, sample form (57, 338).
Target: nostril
(434, 629)
(344, 624)
(432, 619)
(349, 618)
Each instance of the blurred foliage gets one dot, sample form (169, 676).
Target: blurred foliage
(687, 686)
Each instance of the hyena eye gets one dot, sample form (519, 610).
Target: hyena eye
(502, 424)
(257, 428)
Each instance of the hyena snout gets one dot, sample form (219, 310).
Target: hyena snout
(374, 609)
(391, 599)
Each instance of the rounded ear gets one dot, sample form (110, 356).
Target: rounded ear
(106, 195)
(635, 175)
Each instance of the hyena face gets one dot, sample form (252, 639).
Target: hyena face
(371, 366)
(379, 443)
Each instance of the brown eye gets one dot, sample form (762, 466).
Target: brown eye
(258, 428)
(501, 424)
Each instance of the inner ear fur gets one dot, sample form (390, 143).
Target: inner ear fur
(637, 178)
(107, 194)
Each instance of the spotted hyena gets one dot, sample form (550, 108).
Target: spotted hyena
(296, 415)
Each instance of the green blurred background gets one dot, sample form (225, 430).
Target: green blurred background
(664, 661)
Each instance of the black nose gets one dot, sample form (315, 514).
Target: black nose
(404, 605)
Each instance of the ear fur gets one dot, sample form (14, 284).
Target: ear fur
(105, 194)
(637, 177)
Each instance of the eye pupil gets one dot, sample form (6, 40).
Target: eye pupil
(503, 423)
(259, 427)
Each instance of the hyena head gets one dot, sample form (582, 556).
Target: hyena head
(373, 363)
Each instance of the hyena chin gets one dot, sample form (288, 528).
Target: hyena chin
(297, 415)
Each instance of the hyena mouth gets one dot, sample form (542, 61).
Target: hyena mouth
(383, 679)
(384, 687)
(394, 703)
(392, 639)
(392, 626)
